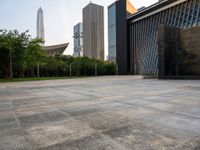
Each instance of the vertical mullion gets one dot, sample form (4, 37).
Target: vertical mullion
(132, 49)
(198, 12)
(154, 43)
(162, 17)
(159, 21)
(130, 43)
(146, 42)
(152, 35)
(188, 15)
(169, 16)
(136, 50)
(180, 15)
(139, 43)
(194, 7)
(149, 41)
(143, 41)
(141, 48)
(172, 17)
(134, 54)
(176, 14)
(166, 15)
(183, 19)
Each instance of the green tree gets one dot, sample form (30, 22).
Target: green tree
(22, 56)
(12, 47)
(34, 56)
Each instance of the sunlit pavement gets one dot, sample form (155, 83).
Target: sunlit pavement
(103, 113)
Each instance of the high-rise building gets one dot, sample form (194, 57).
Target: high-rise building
(93, 31)
(144, 34)
(40, 24)
(117, 37)
(112, 32)
(159, 39)
(52, 50)
(78, 40)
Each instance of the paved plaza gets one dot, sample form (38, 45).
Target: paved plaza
(103, 113)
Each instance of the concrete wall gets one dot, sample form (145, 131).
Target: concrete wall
(190, 47)
(179, 51)
(168, 44)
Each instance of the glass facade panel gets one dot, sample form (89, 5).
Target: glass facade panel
(112, 35)
(143, 45)
(112, 15)
(112, 32)
(78, 40)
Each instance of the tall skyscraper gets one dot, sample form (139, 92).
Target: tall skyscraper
(78, 40)
(93, 31)
(52, 50)
(117, 38)
(112, 32)
(40, 24)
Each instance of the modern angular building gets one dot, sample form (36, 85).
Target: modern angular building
(144, 30)
(159, 40)
(52, 50)
(93, 31)
(78, 40)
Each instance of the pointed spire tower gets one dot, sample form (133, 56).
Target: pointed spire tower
(40, 24)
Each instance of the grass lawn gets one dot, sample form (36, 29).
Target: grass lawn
(35, 79)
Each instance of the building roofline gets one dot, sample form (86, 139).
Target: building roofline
(80, 23)
(91, 3)
(65, 45)
(152, 8)
(114, 3)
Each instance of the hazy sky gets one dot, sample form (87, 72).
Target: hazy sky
(59, 17)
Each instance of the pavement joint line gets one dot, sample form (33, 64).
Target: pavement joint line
(85, 94)
(42, 104)
(73, 118)
(68, 115)
(16, 118)
(10, 130)
(145, 106)
(147, 125)
(179, 134)
(95, 131)
(170, 101)
(71, 140)
(100, 103)
(189, 141)
(18, 122)
(42, 124)
(112, 141)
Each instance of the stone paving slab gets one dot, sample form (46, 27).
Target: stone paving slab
(91, 142)
(15, 140)
(8, 121)
(142, 137)
(103, 113)
(42, 118)
(51, 134)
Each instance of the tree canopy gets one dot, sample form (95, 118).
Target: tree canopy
(22, 54)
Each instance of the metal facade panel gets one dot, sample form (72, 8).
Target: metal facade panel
(143, 45)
